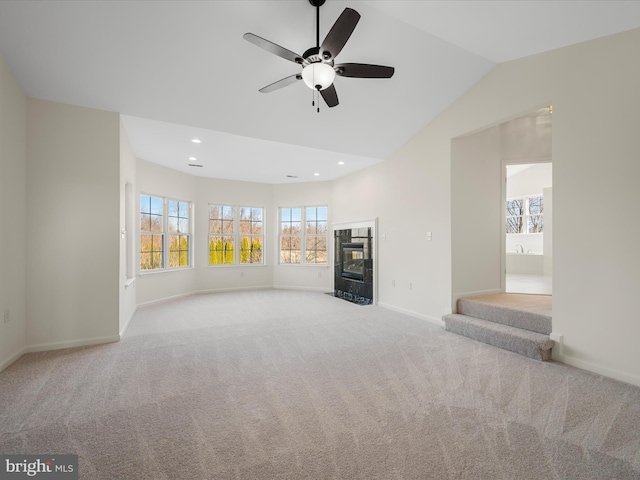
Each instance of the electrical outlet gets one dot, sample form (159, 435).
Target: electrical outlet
(7, 315)
(410, 285)
(429, 236)
(393, 283)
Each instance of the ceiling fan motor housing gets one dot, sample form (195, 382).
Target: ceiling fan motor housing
(313, 56)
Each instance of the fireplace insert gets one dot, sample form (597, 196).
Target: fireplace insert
(353, 261)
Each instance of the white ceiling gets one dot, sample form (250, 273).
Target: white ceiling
(180, 69)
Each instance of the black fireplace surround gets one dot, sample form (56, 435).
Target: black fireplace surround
(353, 266)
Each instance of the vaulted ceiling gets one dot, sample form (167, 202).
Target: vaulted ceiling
(178, 70)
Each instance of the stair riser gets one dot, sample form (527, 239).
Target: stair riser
(532, 345)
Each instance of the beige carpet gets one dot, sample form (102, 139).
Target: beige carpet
(538, 304)
(285, 385)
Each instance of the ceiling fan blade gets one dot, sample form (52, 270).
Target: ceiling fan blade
(281, 83)
(330, 95)
(339, 33)
(363, 70)
(273, 48)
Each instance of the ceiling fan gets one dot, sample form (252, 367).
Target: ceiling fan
(318, 67)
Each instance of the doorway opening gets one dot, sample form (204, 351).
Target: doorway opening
(528, 228)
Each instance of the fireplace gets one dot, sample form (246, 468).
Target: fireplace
(353, 266)
(353, 261)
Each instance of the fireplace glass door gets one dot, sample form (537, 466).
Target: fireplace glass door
(353, 261)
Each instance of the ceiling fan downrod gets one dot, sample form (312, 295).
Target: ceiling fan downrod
(316, 92)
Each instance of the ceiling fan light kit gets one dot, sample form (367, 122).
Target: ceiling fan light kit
(318, 69)
(318, 76)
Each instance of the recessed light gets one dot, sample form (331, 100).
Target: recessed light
(196, 140)
(316, 174)
(340, 163)
(193, 159)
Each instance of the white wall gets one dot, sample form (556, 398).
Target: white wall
(73, 205)
(160, 181)
(127, 284)
(547, 242)
(531, 181)
(309, 277)
(476, 213)
(597, 277)
(229, 192)
(527, 139)
(13, 215)
(409, 194)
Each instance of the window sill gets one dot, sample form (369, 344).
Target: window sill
(160, 271)
(317, 265)
(239, 265)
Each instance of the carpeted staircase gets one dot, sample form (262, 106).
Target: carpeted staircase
(516, 322)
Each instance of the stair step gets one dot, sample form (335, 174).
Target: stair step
(528, 312)
(525, 342)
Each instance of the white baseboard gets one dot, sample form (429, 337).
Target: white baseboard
(126, 325)
(411, 313)
(599, 369)
(166, 299)
(304, 289)
(56, 346)
(12, 358)
(74, 343)
(204, 292)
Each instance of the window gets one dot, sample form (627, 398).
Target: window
(158, 216)
(316, 234)
(250, 235)
(312, 240)
(525, 215)
(515, 214)
(178, 234)
(535, 207)
(230, 226)
(151, 233)
(290, 235)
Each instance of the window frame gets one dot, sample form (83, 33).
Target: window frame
(251, 236)
(526, 215)
(303, 236)
(166, 235)
(237, 235)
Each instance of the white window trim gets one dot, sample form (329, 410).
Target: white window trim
(303, 237)
(237, 236)
(525, 216)
(166, 234)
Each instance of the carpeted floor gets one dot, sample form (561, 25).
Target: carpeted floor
(538, 304)
(284, 385)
